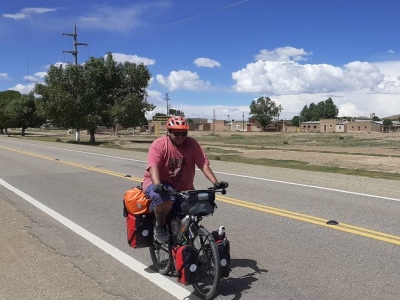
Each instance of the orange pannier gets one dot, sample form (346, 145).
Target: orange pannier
(136, 202)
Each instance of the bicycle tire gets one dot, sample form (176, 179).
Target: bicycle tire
(161, 257)
(209, 272)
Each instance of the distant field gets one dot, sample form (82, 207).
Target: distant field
(363, 154)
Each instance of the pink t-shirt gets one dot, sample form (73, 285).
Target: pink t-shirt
(176, 164)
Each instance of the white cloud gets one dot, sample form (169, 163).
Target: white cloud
(206, 62)
(121, 58)
(23, 89)
(37, 10)
(389, 68)
(3, 75)
(349, 109)
(30, 78)
(289, 77)
(155, 97)
(390, 51)
(18, 16)
(182, 80)
(283, 54)
(28, 12)
(122, 19)
(38, 76)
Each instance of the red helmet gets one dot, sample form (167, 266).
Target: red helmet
(177, 122)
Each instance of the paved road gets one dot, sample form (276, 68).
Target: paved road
(283, 248)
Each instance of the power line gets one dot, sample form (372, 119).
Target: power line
(203, 14)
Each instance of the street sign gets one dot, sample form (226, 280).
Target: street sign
(160, 118)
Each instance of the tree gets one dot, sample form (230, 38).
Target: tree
(22, 112)
(323, 110)
(264, 110)
(329, 109)
(387, 122)
(6, 97)
(100, 92)
(175, 112)
(296, 121)
(375, 118)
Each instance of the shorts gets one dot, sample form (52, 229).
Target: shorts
(158, 198)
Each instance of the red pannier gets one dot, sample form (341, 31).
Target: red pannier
(140, 230)
(139, 220)
(186, 260)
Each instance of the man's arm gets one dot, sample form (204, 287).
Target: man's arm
(154, 175)
(209, 173)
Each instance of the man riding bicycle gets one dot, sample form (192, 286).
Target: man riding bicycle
(171, 164)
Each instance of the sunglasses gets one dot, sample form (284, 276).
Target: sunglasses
(180, 133)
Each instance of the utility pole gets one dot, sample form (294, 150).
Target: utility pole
(214, 119)
(76, 44)
(243, 120)
(229, 124)
(75, 54)
(167, 99)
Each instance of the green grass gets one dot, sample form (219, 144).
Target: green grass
(300, 165)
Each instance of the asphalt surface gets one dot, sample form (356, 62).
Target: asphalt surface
(29, 269)
(32, 270)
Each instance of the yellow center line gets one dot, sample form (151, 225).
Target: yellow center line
(94, 169)
(380, 236)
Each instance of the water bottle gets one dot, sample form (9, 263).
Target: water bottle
(221, 232)
(174, 227)
(185, 223)
(183, 227)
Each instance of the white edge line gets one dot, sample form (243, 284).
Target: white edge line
(311, 186)
(238, 175)
(161, 281)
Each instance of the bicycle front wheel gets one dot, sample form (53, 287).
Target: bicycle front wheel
(209, 273)
(161, 257)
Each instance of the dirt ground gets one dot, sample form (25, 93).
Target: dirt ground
(352, 161)
(366, 158)
(383, 159)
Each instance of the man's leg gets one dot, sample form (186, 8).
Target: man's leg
(161, 204)
(161, 211)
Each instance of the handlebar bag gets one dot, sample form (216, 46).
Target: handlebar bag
(186, 260)
(139, 229)
(198, 203)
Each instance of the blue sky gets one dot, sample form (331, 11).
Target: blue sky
(214, 57)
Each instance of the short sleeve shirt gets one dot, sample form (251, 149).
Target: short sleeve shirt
(176, 164)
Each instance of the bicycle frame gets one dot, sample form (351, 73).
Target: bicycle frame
(197, 236)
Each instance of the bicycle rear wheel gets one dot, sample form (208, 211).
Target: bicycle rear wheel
(209, 273)
(161, 257)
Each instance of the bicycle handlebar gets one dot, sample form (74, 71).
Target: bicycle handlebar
(210, 189)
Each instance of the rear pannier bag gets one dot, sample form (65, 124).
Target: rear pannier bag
(140, 230)
(224, 250)
(186, 260)
(136, 202)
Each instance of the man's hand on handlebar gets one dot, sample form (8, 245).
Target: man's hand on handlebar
(221, 185)
(160, 188)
